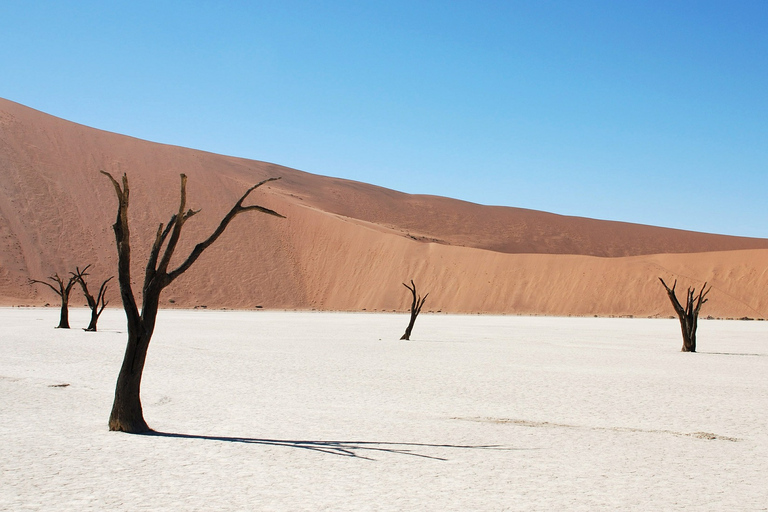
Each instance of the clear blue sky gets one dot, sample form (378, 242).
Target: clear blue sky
(644, 111)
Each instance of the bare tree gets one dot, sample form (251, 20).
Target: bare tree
(96, 304)
(62, 290)
(416, 305)
(127, 413)
(689, 316)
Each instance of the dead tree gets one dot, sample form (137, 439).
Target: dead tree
(416, 305)
(62, 290)
(126, 412)
(689, 316)
(96, 304)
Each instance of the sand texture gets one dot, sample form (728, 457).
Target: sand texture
(344, 245)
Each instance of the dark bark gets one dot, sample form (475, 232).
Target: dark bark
(127, 414)
(62, 291)
(688, 315)
(416, 305)
(98, 303)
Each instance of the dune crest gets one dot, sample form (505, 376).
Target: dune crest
(344, 245)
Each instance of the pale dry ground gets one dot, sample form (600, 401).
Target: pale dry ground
(329, 411)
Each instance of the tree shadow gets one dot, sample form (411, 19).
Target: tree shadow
(354, 449)
(732, 354)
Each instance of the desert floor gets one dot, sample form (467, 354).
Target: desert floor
(329, 411)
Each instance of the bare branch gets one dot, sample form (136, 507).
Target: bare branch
(160, 237)
(239, 204)
(420, 303)
(190, 213)
(101, 298)
(49, 285)
(702, 297)
(70, 284)
(672, 290)
(122, 240)
(673, 297)
(262, 210)
(103, 287)
(118, 190)
(79, 274)
(178, 222)
(236, 210)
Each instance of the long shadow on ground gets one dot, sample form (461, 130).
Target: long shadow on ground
(341, 448)
(732, 354)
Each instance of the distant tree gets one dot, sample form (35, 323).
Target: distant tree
(62, 290)
(416, 305)
(688, 315)
(96, 304)
(127, 415)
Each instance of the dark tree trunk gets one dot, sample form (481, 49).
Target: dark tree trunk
(689, 335)
(94, 320)
(688, 315)
(407, 335)
(64, 316)
(96, 304)
(63, 291)
(416, 305)
(127, 414)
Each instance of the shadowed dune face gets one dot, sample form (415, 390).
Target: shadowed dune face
(344, 245)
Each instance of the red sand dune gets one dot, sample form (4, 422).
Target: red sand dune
(344, 245)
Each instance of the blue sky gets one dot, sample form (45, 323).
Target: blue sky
(653, 112)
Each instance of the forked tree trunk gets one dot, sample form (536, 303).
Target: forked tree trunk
(94, 320)
(96, 304)
(63, 291)
(416, 305)
(127, 414)
(688, 315)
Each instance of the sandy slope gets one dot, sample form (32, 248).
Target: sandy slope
(328, 411)
(344, 245)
